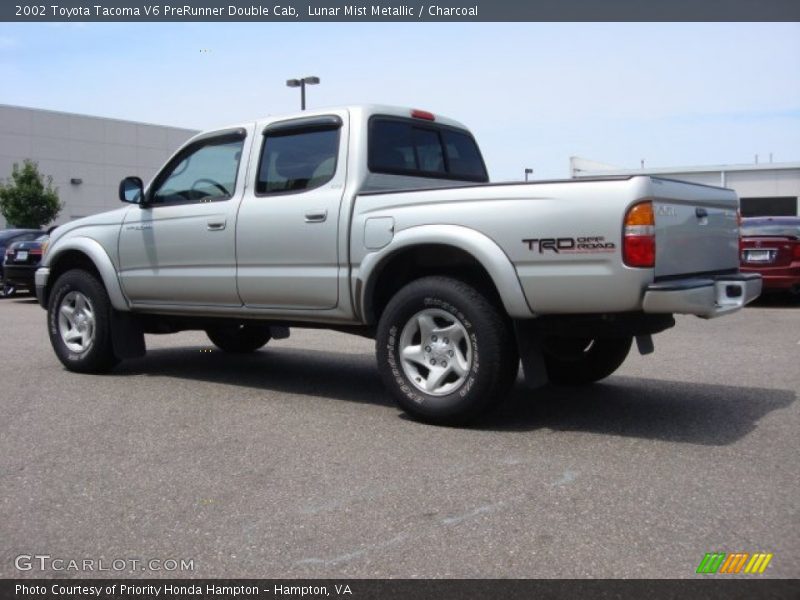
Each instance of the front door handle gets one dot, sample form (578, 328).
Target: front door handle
(316, 216)
(216, 225)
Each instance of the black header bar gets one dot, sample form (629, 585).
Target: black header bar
(716, 588)
(293, 11)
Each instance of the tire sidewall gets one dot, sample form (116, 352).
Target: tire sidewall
(74, 281)
(471, 395)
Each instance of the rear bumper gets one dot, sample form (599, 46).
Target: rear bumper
(706, 297)
(20, 274)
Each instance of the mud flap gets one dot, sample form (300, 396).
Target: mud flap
(645, 344)
(127, 336)
(529, 344)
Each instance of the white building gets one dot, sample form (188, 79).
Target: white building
(86, 156)
(765, 189)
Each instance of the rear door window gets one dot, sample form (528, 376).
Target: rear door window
(296, 161)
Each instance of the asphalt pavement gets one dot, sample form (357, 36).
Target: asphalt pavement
(294, 462)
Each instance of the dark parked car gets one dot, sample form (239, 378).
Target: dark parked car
(771, 247)
(8, 237)
(20, 263)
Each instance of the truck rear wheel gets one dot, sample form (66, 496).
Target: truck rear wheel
(445, 351)
(79, 323)
(578, 361)
(239, 339)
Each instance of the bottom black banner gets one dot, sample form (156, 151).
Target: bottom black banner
(416, 589)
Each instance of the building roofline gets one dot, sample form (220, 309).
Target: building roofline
(695, 169)
(98, 117)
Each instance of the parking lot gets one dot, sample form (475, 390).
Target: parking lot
(293, 462)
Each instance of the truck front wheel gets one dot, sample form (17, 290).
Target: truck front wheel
(79, 323)
(445, 351)
(578, 361)
(239, 339)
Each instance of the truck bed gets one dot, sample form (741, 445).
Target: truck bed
(564, 237)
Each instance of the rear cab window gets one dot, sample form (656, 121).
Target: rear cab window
(412, 147)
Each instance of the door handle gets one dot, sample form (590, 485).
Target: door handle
(700, 213)
(316, 216)
(216, 225)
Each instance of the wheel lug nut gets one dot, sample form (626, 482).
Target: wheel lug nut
(433, 361)
(434, 338)
(427, 348)
(444, 363)
(450, 353)
(446, 341)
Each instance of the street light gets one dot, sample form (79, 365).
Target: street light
(301, 83)
(528, 172)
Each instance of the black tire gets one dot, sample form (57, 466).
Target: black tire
(239, 339)
(579, 361)
(484, 379)
(98, 354)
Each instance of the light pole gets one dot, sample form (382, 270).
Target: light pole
(301, 83)
(528, 172)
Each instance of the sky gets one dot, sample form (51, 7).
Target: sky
(534, 94)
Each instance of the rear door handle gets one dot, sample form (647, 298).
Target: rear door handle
(216, 225)
(701, 213)
(316, 216)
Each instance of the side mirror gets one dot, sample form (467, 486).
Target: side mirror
(131, 190)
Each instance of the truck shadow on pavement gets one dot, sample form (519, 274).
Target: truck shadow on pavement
(675, 411)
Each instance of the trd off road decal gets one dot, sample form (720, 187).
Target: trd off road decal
(569, 245)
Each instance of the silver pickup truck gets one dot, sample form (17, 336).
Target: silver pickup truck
(380, 221)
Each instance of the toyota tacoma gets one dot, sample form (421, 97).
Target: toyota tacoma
(381, 221)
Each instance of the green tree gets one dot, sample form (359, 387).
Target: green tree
(28, 199)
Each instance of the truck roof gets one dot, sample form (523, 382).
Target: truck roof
(358, 111)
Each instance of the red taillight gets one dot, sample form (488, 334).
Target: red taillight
(423, 114)
(35, 251)
(639, 236)
(739, 226)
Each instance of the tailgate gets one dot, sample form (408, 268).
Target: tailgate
(697, 228)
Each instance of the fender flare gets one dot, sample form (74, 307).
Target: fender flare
(102, 262)
(481, 247)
